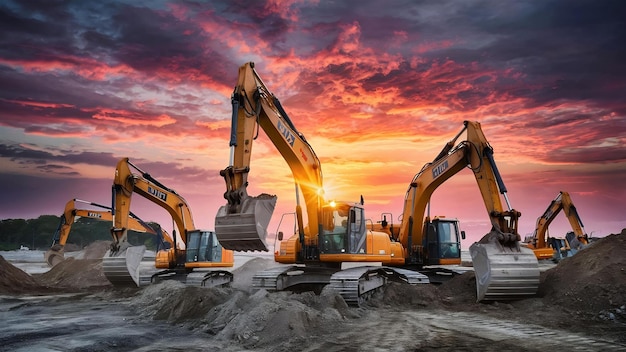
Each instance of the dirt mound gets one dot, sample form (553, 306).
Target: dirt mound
(75, 274)
(175, 302)
(592, 280)
(15, 281)
(71, 247)
(460, 289)
(95, 250)
(253, 320)
(80, 272)
(584, 293)
(408, 296)
(283, 316)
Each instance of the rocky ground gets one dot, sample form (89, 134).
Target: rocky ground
(581, 302)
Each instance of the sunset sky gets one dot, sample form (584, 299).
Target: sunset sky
(377, 88)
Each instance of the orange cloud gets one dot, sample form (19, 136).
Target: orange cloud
(86, 67)
(132, 118)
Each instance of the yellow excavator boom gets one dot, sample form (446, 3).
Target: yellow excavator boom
(503, 269)
(546, 247)
(197, 249)
(55, 254)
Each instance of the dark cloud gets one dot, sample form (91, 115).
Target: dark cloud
(32, 196)
(571, 48)
(48, 162)
(47, 87)
(23, 154)
(58, 170)
(15, 152)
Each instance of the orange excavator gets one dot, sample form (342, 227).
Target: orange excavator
(200, 260)
(555, 248)
(336, 249)
(55, 254)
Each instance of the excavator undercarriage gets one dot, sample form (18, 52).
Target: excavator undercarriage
(355, 284)
(133, 269)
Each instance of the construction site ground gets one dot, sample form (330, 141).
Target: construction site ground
(581, 306)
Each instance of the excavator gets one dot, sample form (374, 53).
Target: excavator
(555, 248)
(56, 255)
(198, 261)
(336, 250)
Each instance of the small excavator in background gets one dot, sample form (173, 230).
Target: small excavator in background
(556, 248)
(336, 249)
(198, 261)
(55, 254)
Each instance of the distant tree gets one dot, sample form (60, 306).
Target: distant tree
(32, 233)
(87, 230)
(41, 230)
(39, 233)
(11, 231)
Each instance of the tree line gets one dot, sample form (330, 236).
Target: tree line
(39, 233)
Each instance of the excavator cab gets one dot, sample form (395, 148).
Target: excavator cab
(343, 229)
(203, 246)
(443, 241)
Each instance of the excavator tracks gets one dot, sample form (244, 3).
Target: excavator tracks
(197, 278)
(131, 268)
(355, 285)
(209, 278)
(146, 272)
(291, 277)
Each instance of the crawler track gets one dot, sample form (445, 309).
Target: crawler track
(355, 285)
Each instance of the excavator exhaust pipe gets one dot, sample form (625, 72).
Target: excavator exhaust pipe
(247, 229)
(504, 273)
(122, 268)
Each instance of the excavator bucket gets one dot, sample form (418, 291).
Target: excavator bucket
(122, 269)
(246, 230)
(504, 273)
(54, 257)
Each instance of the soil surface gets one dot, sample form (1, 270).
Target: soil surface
(581, 304)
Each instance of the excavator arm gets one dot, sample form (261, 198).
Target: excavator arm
(538, 242)
(55, 254)
(125, 184)
(242, 223)
(473, 152)
(498, 253)
(195, 248)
